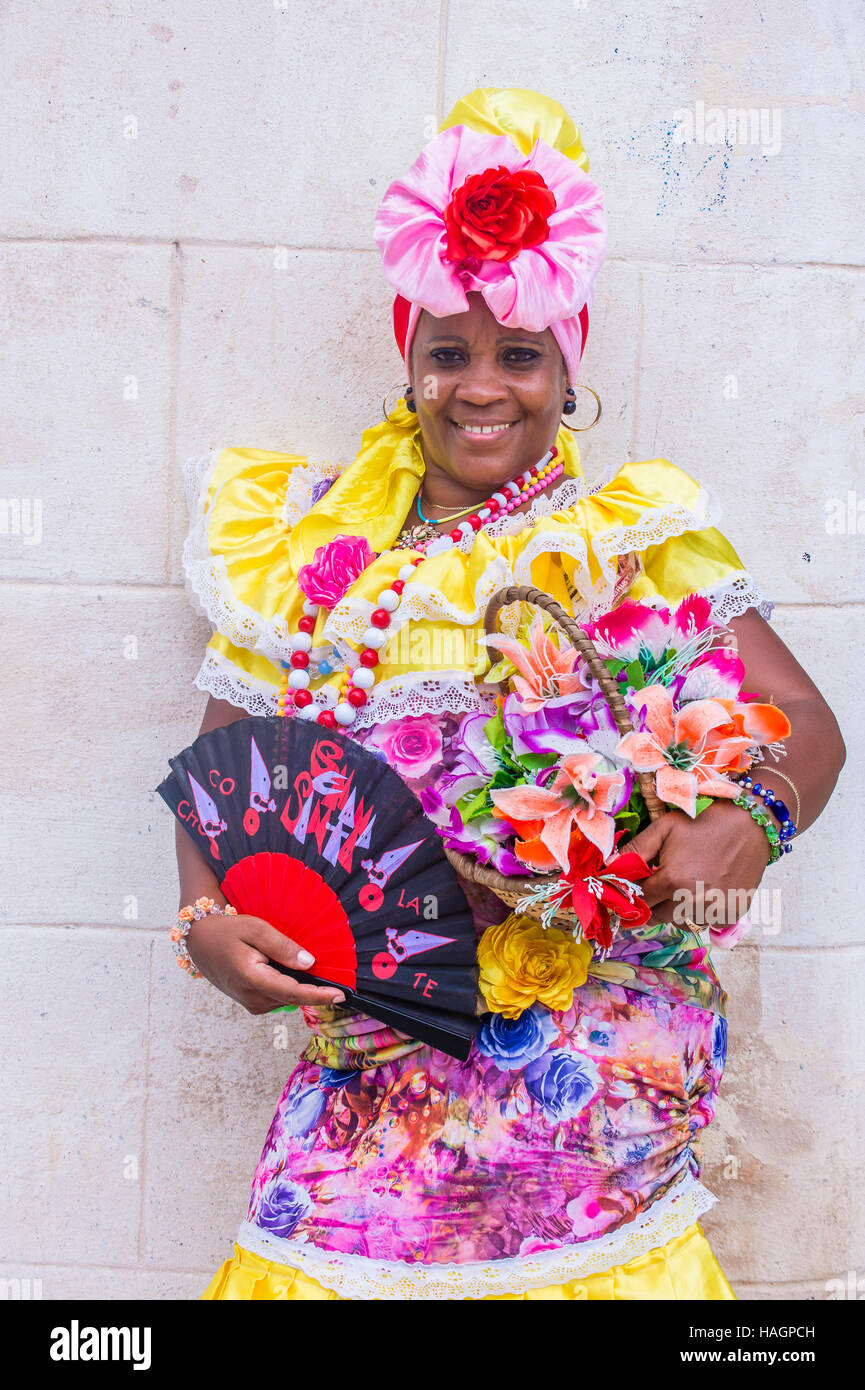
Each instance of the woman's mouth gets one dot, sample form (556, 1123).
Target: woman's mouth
(484, 432)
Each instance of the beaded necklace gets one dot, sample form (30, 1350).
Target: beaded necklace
(355, 684)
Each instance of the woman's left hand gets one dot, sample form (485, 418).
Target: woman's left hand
(722, 848)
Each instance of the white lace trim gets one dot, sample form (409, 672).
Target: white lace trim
(222, 679)
(302, 481)
(569, 492)
(732, 596)
(355, 1277)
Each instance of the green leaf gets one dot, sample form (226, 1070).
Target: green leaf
(474, 804)
(634, 672)
(535, 761)
(614, 665)
(703, 802)
(495, 731)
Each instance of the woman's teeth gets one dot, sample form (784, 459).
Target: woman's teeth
(483, 429)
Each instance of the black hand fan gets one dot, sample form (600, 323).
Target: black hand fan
(308, 830)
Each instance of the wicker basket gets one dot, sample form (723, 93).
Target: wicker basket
(506, 886)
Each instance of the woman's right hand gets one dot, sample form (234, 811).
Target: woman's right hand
(234, 953)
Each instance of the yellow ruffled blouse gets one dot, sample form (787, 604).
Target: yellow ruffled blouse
(258, 516)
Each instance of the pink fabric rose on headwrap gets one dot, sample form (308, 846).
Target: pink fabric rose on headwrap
(334, 568)
(474, 213)
(412, 745)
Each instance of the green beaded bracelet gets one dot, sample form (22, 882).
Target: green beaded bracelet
(756, 812)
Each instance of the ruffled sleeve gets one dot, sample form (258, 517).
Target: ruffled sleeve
(243, 504)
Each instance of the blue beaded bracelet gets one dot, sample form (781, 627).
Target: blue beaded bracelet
(776, 806)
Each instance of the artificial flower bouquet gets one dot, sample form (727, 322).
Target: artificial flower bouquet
(548, 787)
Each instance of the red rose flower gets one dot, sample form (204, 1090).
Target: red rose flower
(495, 214)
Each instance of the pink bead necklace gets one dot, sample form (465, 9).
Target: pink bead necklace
(355, 685)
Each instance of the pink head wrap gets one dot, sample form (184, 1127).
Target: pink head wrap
(475, 213)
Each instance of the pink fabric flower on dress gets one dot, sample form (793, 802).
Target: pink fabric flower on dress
(334, 568)
(412, 745)
(456, 191)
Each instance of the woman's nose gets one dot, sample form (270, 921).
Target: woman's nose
(481, 383)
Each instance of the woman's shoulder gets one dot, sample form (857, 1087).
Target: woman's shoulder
(232, 475)
(243, 504)
(649, 508)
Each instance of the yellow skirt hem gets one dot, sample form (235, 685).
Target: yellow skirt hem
(683, 1268)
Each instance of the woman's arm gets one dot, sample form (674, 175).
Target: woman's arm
(197, 879)
(723, 848)
(234, 953)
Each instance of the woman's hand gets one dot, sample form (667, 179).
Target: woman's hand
(234, 953)
(722, 848)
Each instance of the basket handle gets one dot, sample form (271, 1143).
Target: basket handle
(525, 593)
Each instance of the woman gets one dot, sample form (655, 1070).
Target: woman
(562, 1160)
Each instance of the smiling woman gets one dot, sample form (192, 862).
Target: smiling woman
(562, 1159)
(489, 402)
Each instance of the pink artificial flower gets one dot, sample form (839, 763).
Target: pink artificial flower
(678, 747)
(579, 797)
(412, 745)
(730, 936)
(425, 219)
(334, 568)
(546, 670)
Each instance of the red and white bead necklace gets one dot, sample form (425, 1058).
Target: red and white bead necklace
(355, 685)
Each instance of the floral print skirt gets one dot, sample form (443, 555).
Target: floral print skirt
(562, 1131)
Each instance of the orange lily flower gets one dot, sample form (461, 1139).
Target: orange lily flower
(545, 671)
(690, 750)
(578, 797)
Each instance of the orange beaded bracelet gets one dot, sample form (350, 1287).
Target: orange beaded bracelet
(202, 907)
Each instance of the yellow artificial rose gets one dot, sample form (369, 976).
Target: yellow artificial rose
(522, 962)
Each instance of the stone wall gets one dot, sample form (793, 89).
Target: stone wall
(186, 211)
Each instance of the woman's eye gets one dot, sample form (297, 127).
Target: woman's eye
(520, 355)
(446, 355)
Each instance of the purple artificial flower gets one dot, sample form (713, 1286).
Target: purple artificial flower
(321, 489)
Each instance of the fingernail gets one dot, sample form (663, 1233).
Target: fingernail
(304, 958)
(338, 999)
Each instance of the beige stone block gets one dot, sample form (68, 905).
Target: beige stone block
(808, 1292)
(278, 122)
(216, 1074)
(760, 402)
(785, 1150)
(85, 361)
(75, 1049)
(782, 191)
(103, 1283)
(87, 738)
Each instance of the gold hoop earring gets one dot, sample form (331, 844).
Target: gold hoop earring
(402, 389)
(580, 429)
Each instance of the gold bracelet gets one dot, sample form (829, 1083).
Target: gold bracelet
(776, 772)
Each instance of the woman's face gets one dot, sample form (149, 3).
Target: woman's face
(469, 370)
